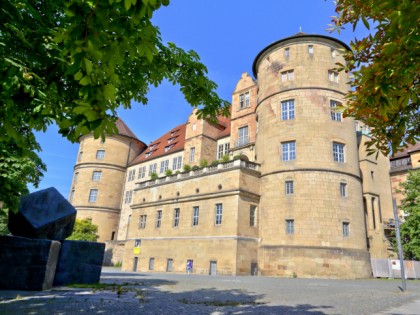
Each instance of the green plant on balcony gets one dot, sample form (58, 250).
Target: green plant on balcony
(215, 163)
(204, 163)
(187, 168)
(154, 175)
(195, 168)
(168, 172)
(225, 158)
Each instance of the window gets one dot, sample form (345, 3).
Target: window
(151, 263)
(346, 229)
(311, 49)
(131, 175)
(192, 154)
(290, 226)
(196, 212)
(177, 163)
(142, 172)
(100, 154)
(176, 217)
(288, 151)
(252, 213)
(149, 154)
(137, 243)
(288, 109)
(219, 213)
(243, 138)
(333, 52)
(338, 152)
(333, 76)
(168, 147)
(159, 219)
(244, 100)
(171, 139)
(76, 176)
(343, 189)
(152, 146)
(289, 187)
(93, 195)
(128, 196)
(96, 175)
(222, 150)
(142, 222)
(80, 156)
(71, 195)
(287, 75)
(164, 166)
(169, 265)
(334, 114)
(287, 52)
(152, 168)
(173, 133)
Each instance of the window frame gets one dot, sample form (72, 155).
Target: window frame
(131, 175)
(192, 154)
(346, 229)
(218, 214)
(142, 221)
(290, 226)
(177, 215)
(128, 196)
(158, 218)
(289, 187)
(288, 151)
(339, 152)
(196, 215)
(343, 189)
(100, 154)
(252, 215)
(93, 195)
(287, 109)
(96, 176)
(335, 116)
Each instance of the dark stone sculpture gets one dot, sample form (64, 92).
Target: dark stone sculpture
(79, 262)
(27, 264)
(44, 214)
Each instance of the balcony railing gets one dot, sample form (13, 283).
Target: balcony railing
(206, 170)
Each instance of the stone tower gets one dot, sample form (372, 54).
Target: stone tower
(99, 177)
(311, 214)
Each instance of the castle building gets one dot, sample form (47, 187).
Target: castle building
(282, 187)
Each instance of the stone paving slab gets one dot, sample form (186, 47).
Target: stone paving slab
(150, 293)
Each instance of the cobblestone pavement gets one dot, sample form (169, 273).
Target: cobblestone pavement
(150, 293)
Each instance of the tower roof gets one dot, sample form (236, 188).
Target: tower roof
(123, 129)
(297, 36)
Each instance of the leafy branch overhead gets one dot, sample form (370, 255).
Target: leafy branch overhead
(75, 62)
(386, 69)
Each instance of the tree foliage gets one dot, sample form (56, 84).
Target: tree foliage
(74, 62)
(84, 230)
(410, 228)
(386, 69)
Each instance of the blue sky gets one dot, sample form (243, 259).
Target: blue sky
(227, 34)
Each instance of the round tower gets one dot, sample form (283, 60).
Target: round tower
(311, 212)
(99, 177)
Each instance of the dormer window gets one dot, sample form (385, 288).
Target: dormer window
(171, 139)
(173, 133)
(152, 147)
(149, 154)
(168, 147)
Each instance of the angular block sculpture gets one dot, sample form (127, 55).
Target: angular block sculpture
(27, 264)
(79, 262)
(44, 214)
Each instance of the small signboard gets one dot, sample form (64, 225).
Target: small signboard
(136, 250)
(395, 264)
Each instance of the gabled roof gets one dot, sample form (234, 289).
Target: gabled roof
(406, 152)
(170, 142)
(224, 126)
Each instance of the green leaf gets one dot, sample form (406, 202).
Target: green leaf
(85, 80)
(88, 65)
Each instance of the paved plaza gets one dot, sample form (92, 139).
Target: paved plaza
(150, 293)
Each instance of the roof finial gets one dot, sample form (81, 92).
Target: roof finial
(300, 29)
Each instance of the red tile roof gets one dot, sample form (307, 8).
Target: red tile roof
(162, 146)
(406, 152)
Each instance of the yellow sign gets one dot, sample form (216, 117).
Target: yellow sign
(136, 250)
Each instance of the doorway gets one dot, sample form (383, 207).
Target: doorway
(136, 261)
(213, 268)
